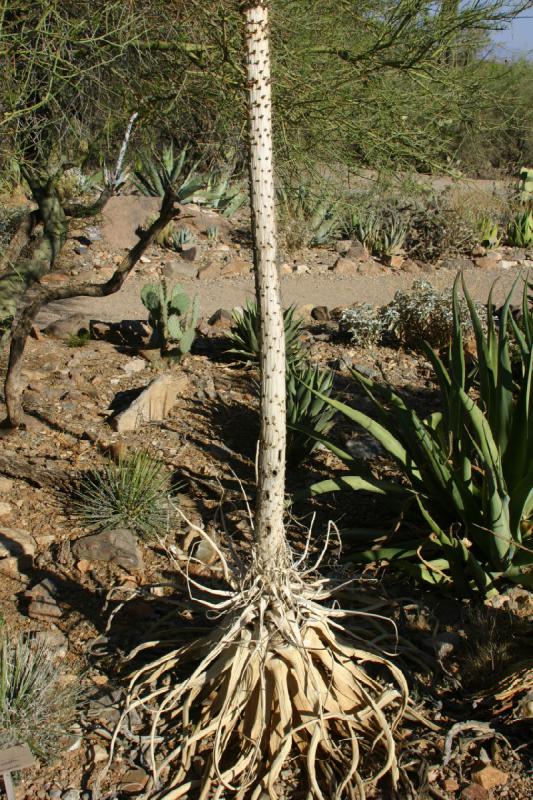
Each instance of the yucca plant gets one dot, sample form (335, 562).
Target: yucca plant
(308, 417)
(135, 493)
(172, 316)
(244, 336)
(156, 175)
(520, 232)
(37, 705)
(468, 467)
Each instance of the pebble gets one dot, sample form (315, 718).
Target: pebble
(71, 794)
(5, 509)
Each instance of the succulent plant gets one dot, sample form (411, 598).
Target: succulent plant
(172, 317)
(520, 232)
(155, 176)
(245, 333)
(180, 238)
(212, 232)
(490, 234)
(309, 417)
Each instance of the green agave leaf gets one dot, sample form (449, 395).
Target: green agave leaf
(357, 483)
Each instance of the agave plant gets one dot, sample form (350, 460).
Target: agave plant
(520, 232)
(308, 217)
(221, 196)
(309, 417)
(489, 233)
(468, 467)
(244, 335)
(155, 176)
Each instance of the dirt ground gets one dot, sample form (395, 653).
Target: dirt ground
(207, 443)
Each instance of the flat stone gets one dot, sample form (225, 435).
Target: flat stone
(345, 266)
(369, 268)
(118, 546)
(456, 263)
(44, 609)
(489, 777)
(301, 269)
(134, 365)
(490, 261)
(134, 781)
(175, 270)
(189, 252)
(237, 266)
(14, 542)
(153, 404)
(75, 324)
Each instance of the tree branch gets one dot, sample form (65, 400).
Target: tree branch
(39, 295)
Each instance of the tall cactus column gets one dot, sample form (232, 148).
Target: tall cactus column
(271, 549)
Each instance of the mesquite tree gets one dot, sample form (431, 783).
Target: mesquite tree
(278, 680)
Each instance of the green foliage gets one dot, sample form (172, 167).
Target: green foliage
(220, 195)
(309, 417)
(526, 185)
(36, 705)
(382, 230)
(489, 233)
(135, 493)
(468, 467)
(244, 335)
(172, 316)
(212, 232)
(307, 216)
(181, 237)
(363, 324)
(155, 176)
(520, 232)
(79, 339)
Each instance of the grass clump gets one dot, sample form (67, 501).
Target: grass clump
(79, 339)
(36, 705)
(134, 493)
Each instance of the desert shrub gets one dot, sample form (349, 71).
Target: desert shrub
(467, 467)
(135, 493)
(244, 335)
(37, 706)
(363, 324)
(425, 314)
(307, 216)
(309, 417)
(79, 339)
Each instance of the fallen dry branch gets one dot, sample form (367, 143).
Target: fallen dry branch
(16, 467)
(38, 295)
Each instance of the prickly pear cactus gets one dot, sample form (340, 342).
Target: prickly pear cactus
(172, 317)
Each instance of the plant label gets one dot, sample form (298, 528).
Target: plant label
(13, 759)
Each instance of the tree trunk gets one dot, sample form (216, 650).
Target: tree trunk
(271, 547)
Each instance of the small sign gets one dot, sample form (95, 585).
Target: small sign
(13, 759)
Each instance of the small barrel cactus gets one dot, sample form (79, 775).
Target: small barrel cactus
(172, 316)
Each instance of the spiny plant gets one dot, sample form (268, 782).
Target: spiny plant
(468, 467)
(489, 233)
(134, 493)
(212, 233)
(308, 217)
(520, 231)
(245, 339)
(155, 175)
(172, 316)
(220, 195)
(181, 237)
(308, 416)
(279, 680)
(37, 705)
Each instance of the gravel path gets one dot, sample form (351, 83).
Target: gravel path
(329, 290)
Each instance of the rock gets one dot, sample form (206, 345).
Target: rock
(357, 251)
(11, 568)
(320, 313)
(410, 266)
(489, 777)
(489, 261)
(134, 781)
(337, 312)
(6, 485)
(98, 754)
(368, 268)
(285, 269)
(212, 270)
(53, 642)
(474, 792)
(236, 266)
(478, 250)
(16, 543)
(71, 794)
(301, 269)
(153, 404)
(221, 319)
(73, 325)
(134, 365)
(394, 261)
(451, 785)
(54, 278)
(304, 312)
(456, 263)
(345, 266)
(175, 270)
(152, 356)
(5, 509)
(189, 252)
(508, 264)
(342, 246)
(118, 546)
(101, 330)
(43, 604)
